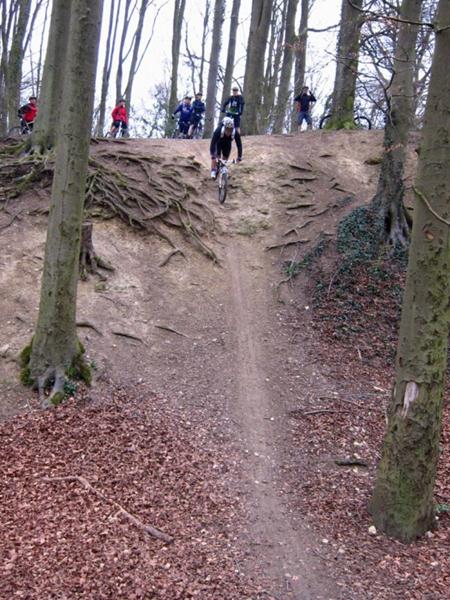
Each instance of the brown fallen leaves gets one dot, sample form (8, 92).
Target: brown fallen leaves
(59, 539)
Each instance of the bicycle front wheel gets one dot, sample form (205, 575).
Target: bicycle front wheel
(223, 187)
(362, 122)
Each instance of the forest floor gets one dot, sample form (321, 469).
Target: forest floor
(237, 406)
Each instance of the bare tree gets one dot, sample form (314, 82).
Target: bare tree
(286, 68)
(300, 47)
(178, 15)
(388, 200)
(402, 503)
(231, 53)
(55, 350)
(346, 64)
(219, 9)
(254, 66)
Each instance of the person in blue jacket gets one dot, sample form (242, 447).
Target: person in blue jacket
(185, 110)
(198, 108)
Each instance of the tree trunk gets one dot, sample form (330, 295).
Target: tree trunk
(50, 102)
(231, 53)
(275, 53)
(137, 37)
(286, 68)
(204, 38)
(121, 60)
(55, 350)
(346, 65)
(301, 44)
(107, 65)
(216, 44)
(178, 14)
(388, 200)
(254, 66)
(15, 60)
(402, 502)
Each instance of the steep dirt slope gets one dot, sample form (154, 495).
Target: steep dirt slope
(209, 335)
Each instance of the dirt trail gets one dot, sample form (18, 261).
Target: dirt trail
(280, 544)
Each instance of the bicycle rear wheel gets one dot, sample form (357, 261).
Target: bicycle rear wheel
(223, 187)
(362, 122)
(323, 121)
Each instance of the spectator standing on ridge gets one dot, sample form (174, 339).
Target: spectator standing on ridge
(198, 108)
(234, 107)
(304, 102)
(120, 119)
(27, 115)
(185, 110)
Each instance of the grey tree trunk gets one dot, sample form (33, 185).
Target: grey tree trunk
(204, 38)
(107, 65)
(301, 45)
(275, 53)
(254, 66)
(216, 45)
(178, 15)
(55, 349)
(402, 502)
(286, 68)
(231, 53)
(346, 65)
(135, 55)
(50, 102)
(388, 200)
(15, 59)
(121, 60)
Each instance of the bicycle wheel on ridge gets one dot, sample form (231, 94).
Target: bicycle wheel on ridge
(362, 122)
(223, 187)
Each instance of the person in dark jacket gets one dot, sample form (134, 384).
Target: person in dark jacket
(120, 119)
(221, 143)
(27, 115)
(185, 110)
(234, 107)
(304, 102)
(198, 108)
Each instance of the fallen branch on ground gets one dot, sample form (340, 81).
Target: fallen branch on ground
(153, 531)
(167, 328)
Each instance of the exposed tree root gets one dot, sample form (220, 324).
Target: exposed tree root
(89, 261)
(153, 197)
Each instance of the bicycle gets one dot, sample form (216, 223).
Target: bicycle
(222, 178)
(120, 132)
(197, 132)
(24, 128)
(360, 121)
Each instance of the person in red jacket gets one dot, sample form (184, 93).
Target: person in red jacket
(27, 114)
(120, 119)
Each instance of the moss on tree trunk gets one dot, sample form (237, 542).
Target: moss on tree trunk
(402, 502)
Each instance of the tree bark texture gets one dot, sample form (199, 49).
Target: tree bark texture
(107, 65)
(137, 37)
(346, 65)
(231, 52)
(402, 502)
(178, 15)
(216, 44)
(286, 67)
(301, 44)
(50, 102)
(55, 347)
(388, 200)
(15, 60)
(273, 66)
(254, 66)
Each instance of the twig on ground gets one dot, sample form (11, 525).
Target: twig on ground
(130, 336)
(169, 256)
(285, 244)
(153, 531)
(351, 462)
(167, 328)
(89, 325)
(14, 217)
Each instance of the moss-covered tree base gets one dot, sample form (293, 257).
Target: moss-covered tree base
(52, 383)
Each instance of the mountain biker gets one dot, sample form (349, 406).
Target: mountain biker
(221, 143)
(27, 115)
(304, 102)
(185, 110)
(120, 118)
(234, 107)
(198, 108)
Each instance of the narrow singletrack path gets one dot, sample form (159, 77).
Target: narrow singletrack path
(281, 546)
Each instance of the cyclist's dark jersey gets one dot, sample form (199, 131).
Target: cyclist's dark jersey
(198, 108)
(221, 144)
(185, 112)
(305, 101)
(234, 105)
